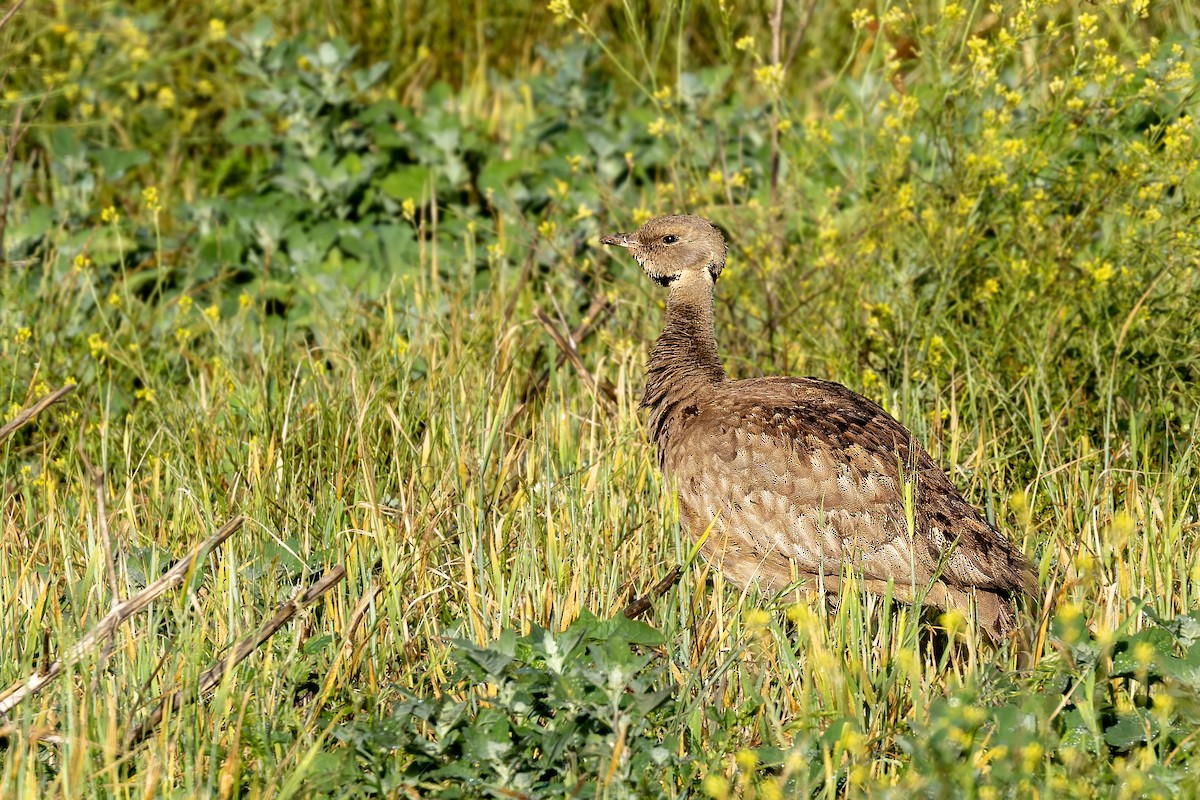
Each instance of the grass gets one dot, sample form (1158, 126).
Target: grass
(326, 317)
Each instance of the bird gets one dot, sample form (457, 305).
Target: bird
(801, 483)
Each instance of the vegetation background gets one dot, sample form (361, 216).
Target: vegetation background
(334, 266)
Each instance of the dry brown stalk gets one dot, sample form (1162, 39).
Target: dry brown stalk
(596, 313)
(640, 605)
(10, 427)
(566, 345)
(245, 647)
(11, 13)
(14, 695)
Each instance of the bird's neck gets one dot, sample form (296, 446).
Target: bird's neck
(684, 361)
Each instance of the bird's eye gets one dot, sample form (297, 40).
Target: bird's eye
(670, 239)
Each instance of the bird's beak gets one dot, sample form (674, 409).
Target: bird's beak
(619, 239)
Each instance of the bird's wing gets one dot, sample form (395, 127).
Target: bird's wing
(811, 472)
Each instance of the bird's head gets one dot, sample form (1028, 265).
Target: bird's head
(669, 248)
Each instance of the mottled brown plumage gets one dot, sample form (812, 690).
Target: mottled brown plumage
(802, 481)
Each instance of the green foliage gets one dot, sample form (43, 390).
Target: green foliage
(1134, 695)
(543, 715)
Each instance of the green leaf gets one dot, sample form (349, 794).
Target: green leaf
(1129, 730)
(1129, 650)
(116, 163)
(492, 660)
(410, 182)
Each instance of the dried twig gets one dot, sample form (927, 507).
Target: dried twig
(640, 605)
(604, 390)
(776, 23)
(97, 476)
(245, 647)
(8, 15)
(596, 313)
(41, 405)
(14, 695)
(800, 34)
(347, 648)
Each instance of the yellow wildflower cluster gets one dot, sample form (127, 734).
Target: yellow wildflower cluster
(97, 346)
(150, 197)
(770, 78)
(561, 9)
(861, 18)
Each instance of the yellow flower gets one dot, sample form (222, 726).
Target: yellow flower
(744, 43)
(1101, 272)
(165, 98)
(185, 304)
(663, 94)
(716, 786)
(583, 213)
(953, 621)
(770, 77)
(658, 128)
(861, 18)
(216, 28)
(641, 215)
(244, 300)
(97, 346)
(213, 313)
(409, 209)
(146, 394)
(757, 619)
(937, 348)
(24, 335)
(561, 9)
(182, 335)
(114, 299)
(110, 216)
(150, 196)
(746, 760)
(547, 228)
